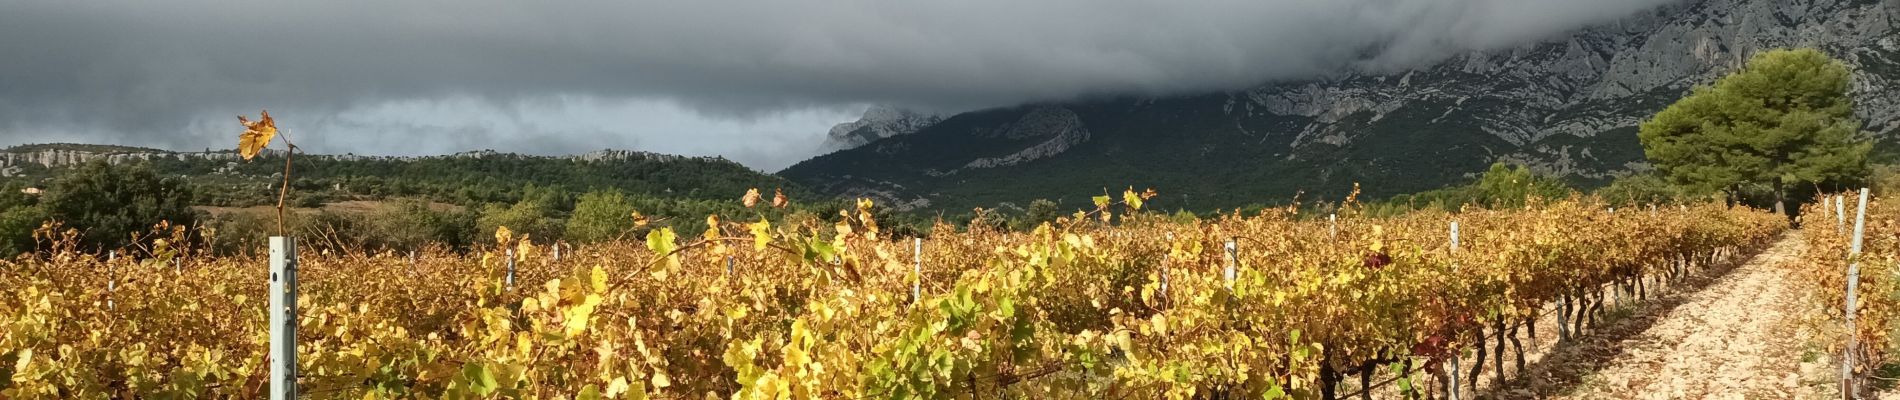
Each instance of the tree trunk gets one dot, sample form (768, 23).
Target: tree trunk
(1530, 327)
(1365, 379)
(1528, 323)
(1563, 317)
(1781, 197)
(1444, 385)
(1477, 364)
(1596, 310)
(1498, 329)
(1328, 379)
(1642, 293)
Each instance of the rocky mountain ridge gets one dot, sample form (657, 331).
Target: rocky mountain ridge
(878, 122)
(1567, 105)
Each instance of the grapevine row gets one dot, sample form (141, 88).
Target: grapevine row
(1136, 306)
(1821, 271)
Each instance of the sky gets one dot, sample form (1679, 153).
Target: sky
(755, 81)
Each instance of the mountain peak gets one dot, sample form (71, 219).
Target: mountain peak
(878, 122)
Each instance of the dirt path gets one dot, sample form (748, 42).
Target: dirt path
(1736, 338)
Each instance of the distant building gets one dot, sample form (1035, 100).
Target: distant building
(32, 191)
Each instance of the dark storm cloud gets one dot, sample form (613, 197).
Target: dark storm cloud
(172, 73)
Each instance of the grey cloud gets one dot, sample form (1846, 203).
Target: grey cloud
(173, 73)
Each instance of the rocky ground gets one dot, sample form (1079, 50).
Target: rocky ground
(1738, 338)
(1731, 332)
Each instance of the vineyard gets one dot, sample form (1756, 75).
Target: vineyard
(1820, 272)
(1113, 303)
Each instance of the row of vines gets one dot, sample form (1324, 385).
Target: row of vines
(1821, 271)
(1113, 303)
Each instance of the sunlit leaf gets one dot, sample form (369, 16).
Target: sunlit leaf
(256, 135)
(751, 197)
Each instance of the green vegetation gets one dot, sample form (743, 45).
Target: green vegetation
(20, 214)
(467, 179)
(1502, 186)
(111, 203)
(600, 216)
(1784, 122)
(397, 203)
(1640, 189)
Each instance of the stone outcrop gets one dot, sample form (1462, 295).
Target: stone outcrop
(1061, 126)
(878, 122)
(1601, 78)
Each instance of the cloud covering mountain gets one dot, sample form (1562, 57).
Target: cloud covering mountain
(758, 81)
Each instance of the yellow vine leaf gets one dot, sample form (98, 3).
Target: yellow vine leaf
(761, 233)
(576, 317)
(1131, 198)
(256, 135)
(524, 249)
(639, 220)
(844, 225)
(503, 235)
(779, 200)
(598, 278)
(660, 381)
(863, 217)
(751, 197)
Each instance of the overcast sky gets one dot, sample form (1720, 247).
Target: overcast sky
(757, 81)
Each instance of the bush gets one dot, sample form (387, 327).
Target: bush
(600, 215)
(1639, 189)
(525, 217)
(111, 202)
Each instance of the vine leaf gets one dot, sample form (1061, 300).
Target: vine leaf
(752, 197)
(761, 233)
(1132, 199)
(503, 235)
(256, 135)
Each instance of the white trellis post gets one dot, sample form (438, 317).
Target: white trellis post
(1332, 226)
(1454, 236)
(917, 268)
(283, 318)
(728, 265)
(510, 280)
(112, 279)
(1455, 388)
(1840, 214)
(1848, 388)
(1233, 262)
(1165, 258)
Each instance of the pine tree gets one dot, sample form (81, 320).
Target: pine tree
(1784, 119)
